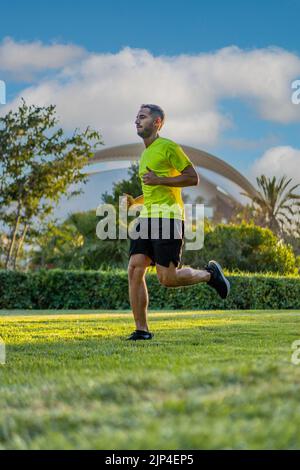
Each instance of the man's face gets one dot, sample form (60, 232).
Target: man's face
(145, 124)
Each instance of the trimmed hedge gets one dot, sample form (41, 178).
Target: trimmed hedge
(59, 289)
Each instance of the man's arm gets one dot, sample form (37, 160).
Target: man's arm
(188, 177)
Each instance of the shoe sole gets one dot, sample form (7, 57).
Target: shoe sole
(223, 277)
(139, 339)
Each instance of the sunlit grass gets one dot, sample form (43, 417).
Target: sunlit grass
(207, 380)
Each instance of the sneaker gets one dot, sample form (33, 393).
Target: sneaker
(139, 334)
(218, 281)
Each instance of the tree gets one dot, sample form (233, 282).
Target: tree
(38, 164)
(276, 205)
(74, 243)
(130, 186)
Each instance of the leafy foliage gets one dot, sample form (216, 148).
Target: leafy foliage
(38, 164)
(244, 247)
(275, 203)
(130, 186)
(74, 245)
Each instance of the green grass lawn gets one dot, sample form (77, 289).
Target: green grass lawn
(208, 380)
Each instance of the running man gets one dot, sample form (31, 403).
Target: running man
(164, 169)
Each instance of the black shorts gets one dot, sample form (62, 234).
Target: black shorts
(162, 244)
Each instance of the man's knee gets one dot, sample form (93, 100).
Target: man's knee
(137, 267)
(167, 279)
(136, 271)
(167, 276)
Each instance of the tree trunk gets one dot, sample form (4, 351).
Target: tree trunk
(13, 239)
(20, 246)
(274, 225)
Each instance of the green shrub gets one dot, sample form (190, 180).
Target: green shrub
(57, 289)
(245, 247)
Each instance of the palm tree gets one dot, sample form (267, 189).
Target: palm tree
(275, 204)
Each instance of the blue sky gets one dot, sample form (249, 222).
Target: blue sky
(245, 129)
(177, 27)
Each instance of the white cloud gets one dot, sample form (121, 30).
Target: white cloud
(105, 90)
(21, 60)
(279, 161)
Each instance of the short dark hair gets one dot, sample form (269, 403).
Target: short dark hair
(155, 110)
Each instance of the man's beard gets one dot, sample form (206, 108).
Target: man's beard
(145, 132)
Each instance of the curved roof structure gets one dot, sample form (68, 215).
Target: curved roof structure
(198, 157)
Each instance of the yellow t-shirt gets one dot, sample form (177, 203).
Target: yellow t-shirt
(165, 158)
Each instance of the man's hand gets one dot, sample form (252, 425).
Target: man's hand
(151, 178)
(188, 177)
(129, 199)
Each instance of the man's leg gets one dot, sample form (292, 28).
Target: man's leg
(212, 275)
(174, 277)
(138, 293)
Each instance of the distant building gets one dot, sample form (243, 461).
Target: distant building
(218, 202)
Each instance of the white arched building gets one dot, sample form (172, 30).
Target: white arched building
(218, 202)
